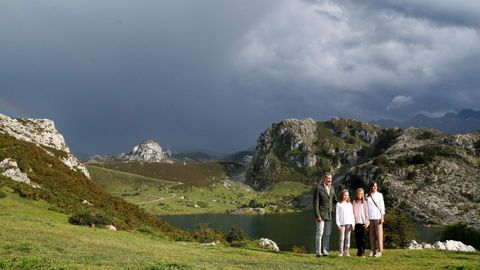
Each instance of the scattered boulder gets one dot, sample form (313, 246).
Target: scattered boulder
(87, 203)
(215, 243)
(10, 169)
(111, 227)
(450, 245)
(268, 244)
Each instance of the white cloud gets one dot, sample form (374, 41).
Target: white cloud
(400, 101)
(342, 46)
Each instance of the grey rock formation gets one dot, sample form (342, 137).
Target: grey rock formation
(450, 245)
(268, 244)
(9, 168)
(433, 176)
(41, 132)
(149, 151)
(146, 151)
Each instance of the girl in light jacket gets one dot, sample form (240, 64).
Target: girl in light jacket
(360, 212)
(345, 222)
(376, 214)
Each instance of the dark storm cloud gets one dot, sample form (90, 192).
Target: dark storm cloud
(361, 57)
(214, 74)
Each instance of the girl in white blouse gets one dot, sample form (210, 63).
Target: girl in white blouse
(376, 214)
(345, 222)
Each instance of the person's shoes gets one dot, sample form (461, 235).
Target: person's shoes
(372, 254)
(347, 254)
(318, 255)
(379, 254)
(325, 254)
(340, 254)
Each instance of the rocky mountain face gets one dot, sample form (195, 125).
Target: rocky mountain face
(43, 133)
(432, 175)
(146, 151)
(465, 121)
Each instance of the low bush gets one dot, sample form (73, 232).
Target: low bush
(299, 249)
(461, 232)
(203, 204)
(204, 234)
(236, 234)
(398, 229)
(255, 204)
(2, 194)
(89, 218)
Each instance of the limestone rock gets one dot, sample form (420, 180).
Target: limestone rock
(146, 151)
(450, 245)
(43, 133)
(111, 227)
(9, 168)
(87, 203)
(268, 244)
(433, 176)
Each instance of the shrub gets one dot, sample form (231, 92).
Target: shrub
(299, 249)
(255, 204)
(398, 229)
(236, 234)
(205, 234)
(461, 232)
(2, 194)
(203, 204)
(85, 217)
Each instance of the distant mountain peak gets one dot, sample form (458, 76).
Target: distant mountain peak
(148, 150)
(465, 121)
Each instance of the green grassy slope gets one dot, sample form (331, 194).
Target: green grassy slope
(120, 182)
(163, 197)
(65, 189)
(33, 237)
(195, 174)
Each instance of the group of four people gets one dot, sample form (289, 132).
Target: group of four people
(366, 212)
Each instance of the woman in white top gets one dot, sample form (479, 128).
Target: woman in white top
(376, 214)
(345, 222)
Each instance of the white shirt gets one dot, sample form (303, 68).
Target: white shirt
(344, 214)
(327, 188)
(375, 212)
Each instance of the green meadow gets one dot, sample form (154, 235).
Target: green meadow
(33, 237)
(168, 197)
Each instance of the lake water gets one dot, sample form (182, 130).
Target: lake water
(286, 230)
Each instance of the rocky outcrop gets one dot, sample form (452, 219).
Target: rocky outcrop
(146, 151)
(43, 133)
(9, 168)
(433, 176)
(296, 149)
(149, 151)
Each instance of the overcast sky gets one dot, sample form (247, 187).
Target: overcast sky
(214, 74)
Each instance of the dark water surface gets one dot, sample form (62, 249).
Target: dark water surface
(287, 230)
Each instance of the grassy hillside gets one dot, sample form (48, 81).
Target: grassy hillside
(66, 189)
(163, 197)
(196, 174)
(33, 237)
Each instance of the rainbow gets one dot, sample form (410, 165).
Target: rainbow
(11, 109)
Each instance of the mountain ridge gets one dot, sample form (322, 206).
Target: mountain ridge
(465, 121)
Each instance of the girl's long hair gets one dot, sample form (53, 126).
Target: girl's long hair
(356, 195)
(370, 186)
(342, 192)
